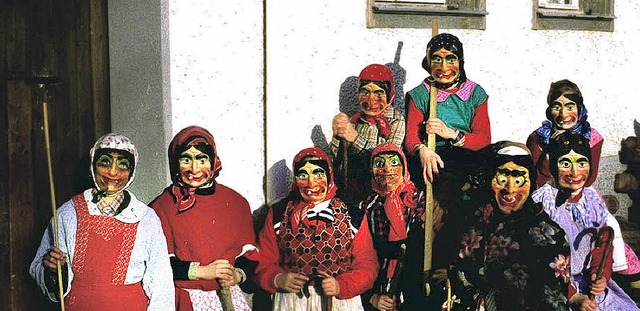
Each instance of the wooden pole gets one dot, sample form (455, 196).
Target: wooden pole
(343, 153)
(53, 201)
(428, 217)
(449, 302)
(225, 299)
(326, 303)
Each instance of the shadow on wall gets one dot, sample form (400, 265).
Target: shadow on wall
(399, 79)
(348, 98)
(279, 178)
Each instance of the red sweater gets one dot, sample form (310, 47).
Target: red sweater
(217, 227)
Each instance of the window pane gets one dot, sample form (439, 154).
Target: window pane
(423, 1)
(559, 4)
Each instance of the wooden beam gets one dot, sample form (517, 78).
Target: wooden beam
(21, 233)
(99, 49)
(5, 278)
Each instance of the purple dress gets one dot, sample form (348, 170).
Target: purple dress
(581, 221)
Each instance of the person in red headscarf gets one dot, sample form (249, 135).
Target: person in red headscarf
(394, 212)
(311, 255)
(208, 226)
(377, 122)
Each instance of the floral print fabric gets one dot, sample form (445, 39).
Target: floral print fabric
(511, 262)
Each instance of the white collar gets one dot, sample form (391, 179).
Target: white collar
(131, 214)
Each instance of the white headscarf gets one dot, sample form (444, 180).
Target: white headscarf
(118, 142)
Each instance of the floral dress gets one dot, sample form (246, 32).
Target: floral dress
(511, 262)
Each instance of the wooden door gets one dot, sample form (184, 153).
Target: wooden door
(54, 51)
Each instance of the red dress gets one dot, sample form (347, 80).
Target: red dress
(102, 252)
(218, 226)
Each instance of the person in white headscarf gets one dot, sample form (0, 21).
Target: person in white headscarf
(112, 251)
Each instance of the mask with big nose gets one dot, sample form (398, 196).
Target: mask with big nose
(312, 183)
(511, 186)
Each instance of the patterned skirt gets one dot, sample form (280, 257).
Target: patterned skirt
(209, 300)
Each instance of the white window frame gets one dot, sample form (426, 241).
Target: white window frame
(574, 5)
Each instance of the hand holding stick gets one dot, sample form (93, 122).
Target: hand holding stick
(329, 288)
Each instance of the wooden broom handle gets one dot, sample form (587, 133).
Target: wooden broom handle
(428, 218)
(53, 201)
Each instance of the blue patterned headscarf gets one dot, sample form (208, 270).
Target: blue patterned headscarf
(557, 89)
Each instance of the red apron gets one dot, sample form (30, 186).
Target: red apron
(102, 252)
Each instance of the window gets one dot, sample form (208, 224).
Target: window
(593, 15)
(451, 14)
(559, 4)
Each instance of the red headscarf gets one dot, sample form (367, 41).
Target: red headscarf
(397, 199)
(378, 73)
(187, 137)
(331, 186)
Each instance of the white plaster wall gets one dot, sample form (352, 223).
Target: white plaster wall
(313, 46)
(216, 83)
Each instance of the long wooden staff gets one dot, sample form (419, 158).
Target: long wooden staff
(53, 201)
(428, 217)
